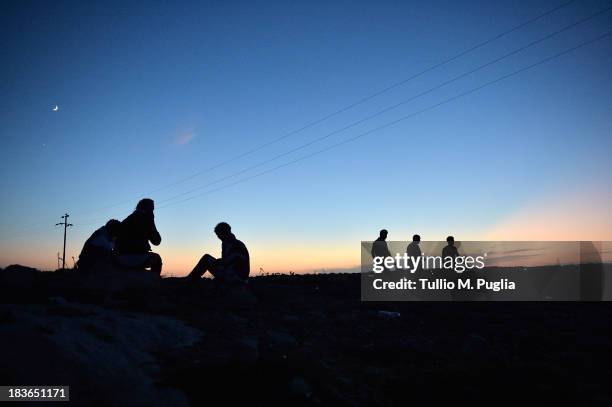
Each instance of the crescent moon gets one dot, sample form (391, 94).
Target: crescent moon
(56, 108)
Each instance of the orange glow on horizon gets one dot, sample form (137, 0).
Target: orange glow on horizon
(585, 215)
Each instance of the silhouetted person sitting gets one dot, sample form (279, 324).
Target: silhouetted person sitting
(450, 250)
(132, 248)
(234, 264)
(99, 247)
(379, 247)
(413, 249)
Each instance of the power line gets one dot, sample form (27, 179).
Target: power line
(369, 97)
(394, 122)
(395, 106)
(351, 105)
(361, 101)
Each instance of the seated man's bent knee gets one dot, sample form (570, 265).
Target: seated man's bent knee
(208, 259)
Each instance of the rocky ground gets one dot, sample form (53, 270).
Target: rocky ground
(131, 339)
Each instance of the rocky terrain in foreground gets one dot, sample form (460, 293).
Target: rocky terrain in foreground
(133, 339)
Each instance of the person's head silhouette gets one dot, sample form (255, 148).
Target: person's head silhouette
(112, 227)
(416, 238)
(145, 205)
(450, 240)
(223, 231)
(383, 234)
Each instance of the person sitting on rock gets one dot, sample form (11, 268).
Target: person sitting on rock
(132, 248)
(99, 247)
(234, 264)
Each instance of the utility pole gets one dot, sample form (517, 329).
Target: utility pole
(58, 260)
(66, 225)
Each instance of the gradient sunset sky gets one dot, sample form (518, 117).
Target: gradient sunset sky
(151, 93)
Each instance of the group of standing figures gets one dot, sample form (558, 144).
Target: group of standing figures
(380, 248)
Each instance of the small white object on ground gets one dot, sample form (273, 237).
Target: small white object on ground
(389, 314)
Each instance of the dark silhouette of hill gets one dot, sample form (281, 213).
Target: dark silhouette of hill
(300, 339)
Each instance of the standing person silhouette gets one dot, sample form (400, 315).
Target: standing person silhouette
(234, 264)
(379, 247)
(450, 250)
(132, 248)
(413, 249)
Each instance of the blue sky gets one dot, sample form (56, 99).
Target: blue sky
(151, 92)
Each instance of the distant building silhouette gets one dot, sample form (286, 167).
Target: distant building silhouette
(591, 272)
(132, 249)
(234, 264)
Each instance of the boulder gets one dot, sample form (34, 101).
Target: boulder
(101, 353)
